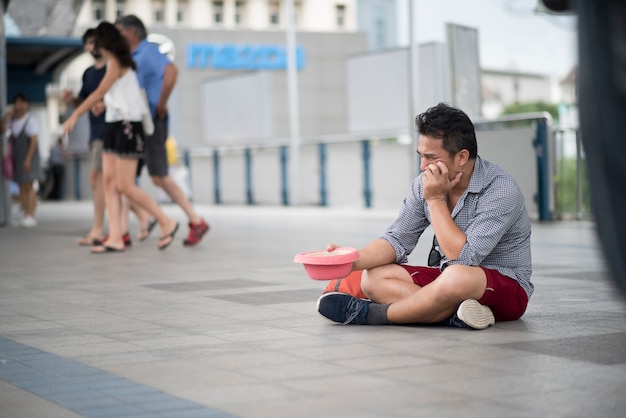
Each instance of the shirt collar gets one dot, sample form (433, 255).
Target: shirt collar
(141, 45)
(477, 182)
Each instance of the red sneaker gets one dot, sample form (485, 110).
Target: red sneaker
(196, 232)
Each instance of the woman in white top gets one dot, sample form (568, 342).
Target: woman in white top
(123, 139)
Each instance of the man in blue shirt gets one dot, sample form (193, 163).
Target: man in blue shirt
(91, 79)
(481, 260)
(157, 75)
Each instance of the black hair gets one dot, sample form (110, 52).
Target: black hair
(451, 125)
(20, 96)
(89, 33)
(109, 38)
(132, 21)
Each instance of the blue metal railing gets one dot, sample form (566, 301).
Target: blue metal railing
(541, 144)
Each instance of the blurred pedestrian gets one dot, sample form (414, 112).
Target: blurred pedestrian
(157, 75)
(123, 139)
(56, 164)
(25, 155)
(91, 79)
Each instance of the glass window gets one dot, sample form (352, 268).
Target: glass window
(119, 8)
(98, 9)
(340, 11)
(274, 8)
(181, 11)
(240, 9)
(218, 12)
(159, 15)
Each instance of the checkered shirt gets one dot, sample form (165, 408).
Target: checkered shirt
(491, 213)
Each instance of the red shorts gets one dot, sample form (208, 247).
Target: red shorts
(506, 298)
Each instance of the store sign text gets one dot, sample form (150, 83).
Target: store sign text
(241, 57)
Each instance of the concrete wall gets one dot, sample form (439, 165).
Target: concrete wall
(321, 81)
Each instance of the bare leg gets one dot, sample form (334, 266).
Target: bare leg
(112, 200)
(144, 219)
(125, 214)
(432, 303)
(178, 196)
(126, 183)
(28, 199)
(97, 188)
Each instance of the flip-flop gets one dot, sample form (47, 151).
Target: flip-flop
(170, 235)
(144, 233)
(105, 249)
(88, 241)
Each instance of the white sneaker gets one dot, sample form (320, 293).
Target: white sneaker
(474, 315)
(28, 222)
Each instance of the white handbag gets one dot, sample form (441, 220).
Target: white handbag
(146, 115)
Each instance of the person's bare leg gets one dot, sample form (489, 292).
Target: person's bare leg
(22, 196)
(432, 303)
(125, 214)
(387, 284)
(112, 201)
(126, 183)
(97, 189)
(177, 195)
(144, 219)
(29, 199)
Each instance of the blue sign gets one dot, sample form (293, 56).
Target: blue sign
(241, 57)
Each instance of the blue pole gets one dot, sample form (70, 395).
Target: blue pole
(543, 178)
(249, 198)
(216, 177)
(323, 176)
(283, 170)
(367, 186)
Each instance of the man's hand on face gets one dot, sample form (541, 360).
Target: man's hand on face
(436, 181)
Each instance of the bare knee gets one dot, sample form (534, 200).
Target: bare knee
(376, 282)
(459, 282)
(369, 281)
(158, 181)
(124, 187)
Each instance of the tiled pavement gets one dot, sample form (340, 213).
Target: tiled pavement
(229, 328)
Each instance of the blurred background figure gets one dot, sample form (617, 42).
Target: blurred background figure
(24, 131)
(91, 79)
(56, 165)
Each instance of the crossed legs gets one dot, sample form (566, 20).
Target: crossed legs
(432, 303)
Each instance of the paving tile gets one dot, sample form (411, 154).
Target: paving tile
(229, 328)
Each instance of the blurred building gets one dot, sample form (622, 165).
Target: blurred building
(310, 15)
(379, 20)
(502, 88)
(231, 56)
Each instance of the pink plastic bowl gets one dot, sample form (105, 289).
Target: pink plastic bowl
(324, 265)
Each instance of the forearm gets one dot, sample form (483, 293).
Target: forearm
(377, 253)
(87, 104)
(450, 238)
(169, 81)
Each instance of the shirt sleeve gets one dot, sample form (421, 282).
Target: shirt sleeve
(83, 91)
(498, 205)
(32, 126)
(404, 233)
